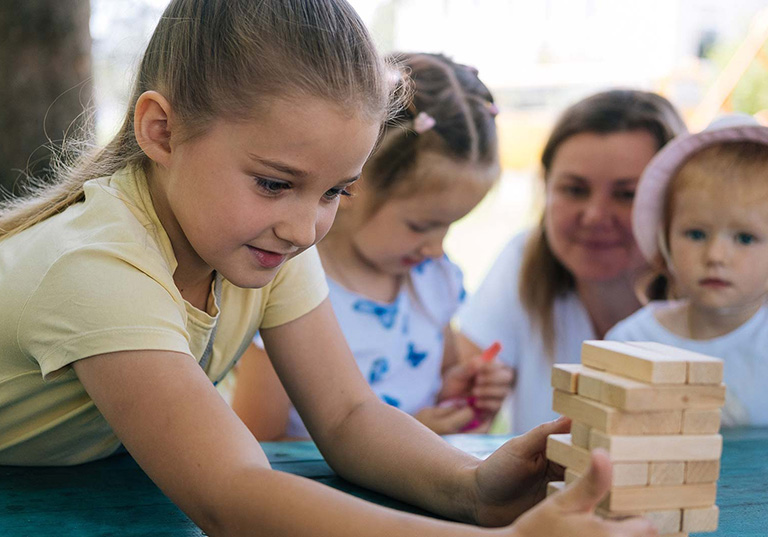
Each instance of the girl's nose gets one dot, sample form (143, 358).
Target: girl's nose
(299, 227)
(718, 250)
(434, 247)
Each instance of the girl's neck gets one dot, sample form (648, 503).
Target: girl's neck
(343, 263)
(607, 302)
(192, 276)
(708, 323)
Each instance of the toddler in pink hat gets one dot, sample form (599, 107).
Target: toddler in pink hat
(700, 218)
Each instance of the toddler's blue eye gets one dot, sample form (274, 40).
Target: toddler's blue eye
(745, 238)
(695, 234)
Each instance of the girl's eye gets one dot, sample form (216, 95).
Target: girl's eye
(334, 193)
(695, 234)
(745, 238)
(417, 228)
(270, 186)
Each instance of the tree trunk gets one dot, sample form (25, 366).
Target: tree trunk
(45, 83)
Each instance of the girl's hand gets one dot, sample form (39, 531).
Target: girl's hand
(458, 381)
(571, 512)
(449, 417)
(492, 383)
(514, 478)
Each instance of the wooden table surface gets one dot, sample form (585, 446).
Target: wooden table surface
(114, 497)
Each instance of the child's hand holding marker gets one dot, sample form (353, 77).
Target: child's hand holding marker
(491, 384)
(473, 392)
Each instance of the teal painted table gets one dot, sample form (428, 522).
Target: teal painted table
(114, 497)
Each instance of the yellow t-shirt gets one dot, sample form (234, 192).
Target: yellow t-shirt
(98, 278)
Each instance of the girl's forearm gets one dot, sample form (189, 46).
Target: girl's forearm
(384, 449)
(270, 503)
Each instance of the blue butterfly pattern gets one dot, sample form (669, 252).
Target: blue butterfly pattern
(421, 266)
(414, 357)
(379, 368)
(391, 401)
(462, 294)
(385, 313)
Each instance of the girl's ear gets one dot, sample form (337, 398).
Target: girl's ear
(152, 126)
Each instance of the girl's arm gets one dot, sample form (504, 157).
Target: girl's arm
(173, 421)
(259, 397)
(346, 420)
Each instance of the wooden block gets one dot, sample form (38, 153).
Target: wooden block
(571, 476)
(702, 369)
(666, 473)
(661, 448)
(631, 474)
(702, 471)
(576, 460)
(666, 521)
(702, 519)
(697, 421)
(565, 377)
(580, 434)
(625, 474)
(610, 420)
(660, 498)
(554, 486)
(591, 383)
(561, 451)
(635, 396)
(634, 362)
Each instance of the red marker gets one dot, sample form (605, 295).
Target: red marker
(491, 352)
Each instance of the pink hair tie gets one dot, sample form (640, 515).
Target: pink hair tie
(423, 122)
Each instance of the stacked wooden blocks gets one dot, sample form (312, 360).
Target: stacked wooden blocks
(656, 410)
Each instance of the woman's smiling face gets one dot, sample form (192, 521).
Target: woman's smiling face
(589, 191)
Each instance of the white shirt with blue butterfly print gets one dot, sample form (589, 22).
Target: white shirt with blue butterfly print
(399, 346)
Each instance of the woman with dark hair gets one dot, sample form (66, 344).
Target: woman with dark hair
(573, 276)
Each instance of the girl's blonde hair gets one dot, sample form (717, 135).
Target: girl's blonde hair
(726, 170)
(542, 276)
(225, 59)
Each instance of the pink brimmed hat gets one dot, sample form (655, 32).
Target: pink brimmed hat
(652, 187)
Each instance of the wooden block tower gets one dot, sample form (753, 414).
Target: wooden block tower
(656, 410)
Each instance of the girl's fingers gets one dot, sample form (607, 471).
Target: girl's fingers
(503, 377)
(631, 527)
(587, 492)
(490, 392)
(457, 419)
